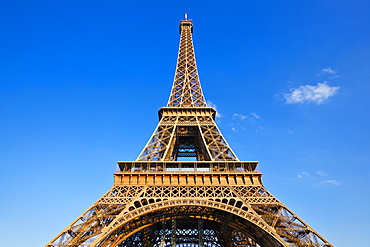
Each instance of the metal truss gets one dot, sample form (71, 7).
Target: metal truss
(210, 199)
(186, 89)
(125, 213)
(187, 136)
(187, 232)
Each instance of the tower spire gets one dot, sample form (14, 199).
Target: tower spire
(186, 90)
(187, 127)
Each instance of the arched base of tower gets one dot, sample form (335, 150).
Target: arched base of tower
(189, 232)
(189, 226)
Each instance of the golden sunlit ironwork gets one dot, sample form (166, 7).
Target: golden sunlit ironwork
(187, 187)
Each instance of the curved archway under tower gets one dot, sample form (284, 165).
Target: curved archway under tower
(189, 225)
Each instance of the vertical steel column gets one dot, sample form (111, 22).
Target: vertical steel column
(200, 232)
(163, 237)
(173, 237)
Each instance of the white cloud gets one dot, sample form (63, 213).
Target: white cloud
(305, 94)
(333, 182)
(303, 174)
(317, 176)
(240, 121)
(328, 70)
(209, 103)
(321, 173)
(240, 116)
(251, 116)
(255, 115)
(236, 127)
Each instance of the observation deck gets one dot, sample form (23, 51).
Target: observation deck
(184, 173)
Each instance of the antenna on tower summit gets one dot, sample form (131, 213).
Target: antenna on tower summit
(186, 16)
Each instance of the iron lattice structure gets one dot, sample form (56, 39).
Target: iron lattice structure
(187, 187)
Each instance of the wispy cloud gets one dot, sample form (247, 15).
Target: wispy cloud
(255, 115)
(236, 127)
(305, 94)
(251, 116)
(332, 182)
(209, 103)
(321, 173)
(328, 70)
(240, 120)
(240, 116)
(317, 178)
(303, 174)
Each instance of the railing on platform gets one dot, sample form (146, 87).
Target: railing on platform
(187, 166)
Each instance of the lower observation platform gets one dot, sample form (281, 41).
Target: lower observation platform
(185, 173)
(187, 166)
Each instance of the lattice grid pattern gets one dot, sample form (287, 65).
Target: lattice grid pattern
(202, 133)
(186, 89)
(126, 201)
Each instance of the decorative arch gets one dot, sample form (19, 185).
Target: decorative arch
(239, 218)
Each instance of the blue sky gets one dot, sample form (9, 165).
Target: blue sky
(81, 83)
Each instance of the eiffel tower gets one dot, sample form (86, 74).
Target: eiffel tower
(187, 187)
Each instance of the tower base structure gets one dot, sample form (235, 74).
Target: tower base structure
(188, 204)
